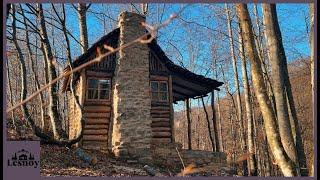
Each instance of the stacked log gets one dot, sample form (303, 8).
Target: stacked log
(161, 128)
(95, 135)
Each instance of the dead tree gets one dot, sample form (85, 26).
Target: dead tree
(269, 117)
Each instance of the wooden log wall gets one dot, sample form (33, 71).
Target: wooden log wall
(161, 116)
(161, 126)
(98, 118)
(96, 130)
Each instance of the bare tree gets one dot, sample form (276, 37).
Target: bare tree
(214, 116)
(221, 139)
(35, 76)
(62, 20)
(262, 54)
(187, 103)
(278, 66)
(289, 126)
(311, 10)
(144, 8)
(8, 10)
(23, 93)
(236, 79)
(208, 125)
(252, 165)
(269, 117)
(82, 14)
(10, 94)
(52, 95)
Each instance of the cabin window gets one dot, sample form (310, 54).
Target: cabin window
(98, 89)
(159, 91)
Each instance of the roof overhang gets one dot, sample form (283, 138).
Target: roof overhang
(185, 84)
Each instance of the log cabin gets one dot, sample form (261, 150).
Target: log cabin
(128, 97)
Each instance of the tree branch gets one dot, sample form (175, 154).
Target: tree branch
(100, 57)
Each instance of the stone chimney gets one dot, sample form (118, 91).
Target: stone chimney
(131, 134)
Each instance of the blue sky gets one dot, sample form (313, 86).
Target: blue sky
(187, 43)
(292, 19)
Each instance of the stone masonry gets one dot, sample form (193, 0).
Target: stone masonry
(131, 136)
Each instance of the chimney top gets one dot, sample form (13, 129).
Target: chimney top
(128, 13)
(130, 16)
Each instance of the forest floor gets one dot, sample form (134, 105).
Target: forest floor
(61, 161)
(64, 162)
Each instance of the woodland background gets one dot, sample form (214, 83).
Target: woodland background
(204, 38)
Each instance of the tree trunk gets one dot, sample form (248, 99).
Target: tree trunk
(277, 54)
(214, 123)
(251, 149)
(236, 81)
(208, 124)
(264, 60)
(82, 10)
(269, 117)
(311, 12)
(24, 108)
(23, 70)
(267, 163)
(311, 9)
(278, 66)
(35, 76)
(189, 123)
(220, 124)
(232, 132)
(218, 133)
(52, 95)
(10, 94)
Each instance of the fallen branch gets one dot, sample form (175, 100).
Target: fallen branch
(180, 158)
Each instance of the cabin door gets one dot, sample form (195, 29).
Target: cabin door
(97, 111)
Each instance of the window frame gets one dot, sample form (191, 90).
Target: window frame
(159, 91)
(99, 88)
